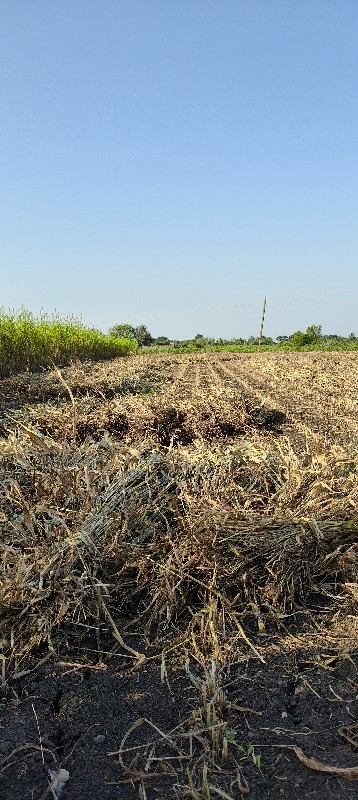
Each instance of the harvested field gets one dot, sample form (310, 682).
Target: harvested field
(179, 578)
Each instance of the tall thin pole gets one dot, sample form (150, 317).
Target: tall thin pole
(262, 323)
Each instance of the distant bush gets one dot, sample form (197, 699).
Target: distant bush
(140, 334)
(161, 340)
(30, 343)
(124, 331)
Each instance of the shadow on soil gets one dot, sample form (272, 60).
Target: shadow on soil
(74, 714)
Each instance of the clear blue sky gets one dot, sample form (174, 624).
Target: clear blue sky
(170, 162)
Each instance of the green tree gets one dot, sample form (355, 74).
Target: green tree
(123, 331)
(311, 335)
(161, 340)
(299, 339)
(142, 336)
(199, 340)
(314, 332)
(264, 340)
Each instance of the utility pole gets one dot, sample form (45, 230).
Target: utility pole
(262, 323)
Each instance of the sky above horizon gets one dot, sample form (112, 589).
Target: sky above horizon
(170, 162)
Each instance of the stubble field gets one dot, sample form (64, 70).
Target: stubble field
(179, 578)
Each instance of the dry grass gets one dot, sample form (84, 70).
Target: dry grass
(165, 505)
(162, 495)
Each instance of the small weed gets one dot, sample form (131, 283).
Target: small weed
(249, 752)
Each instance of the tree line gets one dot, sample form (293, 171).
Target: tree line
(310, 337)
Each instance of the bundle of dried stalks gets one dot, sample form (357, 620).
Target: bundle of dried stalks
(158, 533)
(138, 415)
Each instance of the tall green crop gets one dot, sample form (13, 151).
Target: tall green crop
(31, 343)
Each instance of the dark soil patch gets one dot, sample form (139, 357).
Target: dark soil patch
(93, 426)
(268, 419)
(84, 711)
(170, 427)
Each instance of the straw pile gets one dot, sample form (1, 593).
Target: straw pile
(105, 529)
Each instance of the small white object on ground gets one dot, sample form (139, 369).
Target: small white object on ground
(58, 779)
